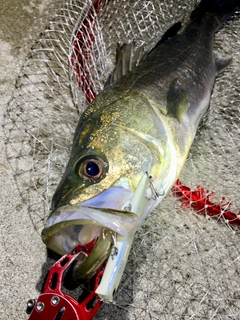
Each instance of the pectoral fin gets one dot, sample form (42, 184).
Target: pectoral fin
(177, 101)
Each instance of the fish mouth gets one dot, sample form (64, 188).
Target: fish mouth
(70, 225)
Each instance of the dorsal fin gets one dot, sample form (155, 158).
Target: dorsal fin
(130, 55)
(177, 101)
(221, 63)
(127, 57)
(171, 32)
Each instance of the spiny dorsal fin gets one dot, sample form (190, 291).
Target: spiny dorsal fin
(221, 64)
(130, 55)
(177, 101)
(171, 32)
(127, 56)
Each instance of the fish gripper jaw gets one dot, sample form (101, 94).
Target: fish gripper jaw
(53, 304)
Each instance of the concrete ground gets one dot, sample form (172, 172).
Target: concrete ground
(182, 266)
(20, 265)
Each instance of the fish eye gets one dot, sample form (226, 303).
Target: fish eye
(91, 169)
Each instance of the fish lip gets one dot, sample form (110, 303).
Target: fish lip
(118, 221)
(89, 215)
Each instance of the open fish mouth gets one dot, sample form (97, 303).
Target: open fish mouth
(108, 221)
(70, 225)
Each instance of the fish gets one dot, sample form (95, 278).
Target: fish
(142, 123)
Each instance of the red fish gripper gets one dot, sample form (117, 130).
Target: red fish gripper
(53, 304)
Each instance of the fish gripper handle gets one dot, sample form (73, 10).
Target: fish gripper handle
(53, 304)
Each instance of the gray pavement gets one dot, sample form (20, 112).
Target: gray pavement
(183, 266)
(21, 250)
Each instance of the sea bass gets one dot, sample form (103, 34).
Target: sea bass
(144, 122)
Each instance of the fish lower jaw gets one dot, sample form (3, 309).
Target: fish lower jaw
(65, 238)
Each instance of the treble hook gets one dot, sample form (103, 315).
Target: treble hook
(155, 193)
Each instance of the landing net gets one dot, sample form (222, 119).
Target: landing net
(182, 265)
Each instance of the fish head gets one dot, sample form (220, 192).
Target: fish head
(111, 160)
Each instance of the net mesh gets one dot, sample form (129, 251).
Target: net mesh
(182, 265)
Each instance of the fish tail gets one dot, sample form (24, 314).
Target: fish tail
(221, 10)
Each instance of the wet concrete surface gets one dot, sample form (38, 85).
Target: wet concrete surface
(20, 266)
